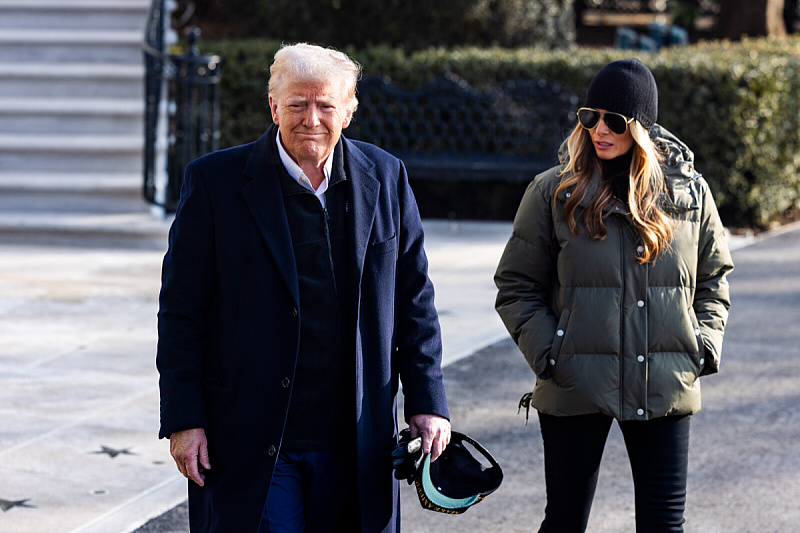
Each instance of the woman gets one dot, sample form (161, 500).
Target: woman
(613, 285)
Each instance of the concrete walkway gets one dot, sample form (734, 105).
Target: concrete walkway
(78, 386)
(744, 458)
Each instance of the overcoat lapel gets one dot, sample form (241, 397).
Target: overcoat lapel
(364, 189)
(264, 198)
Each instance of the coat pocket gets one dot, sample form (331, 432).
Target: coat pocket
(699, 355)
(385, 247)
(558, 339)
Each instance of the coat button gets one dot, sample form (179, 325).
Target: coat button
(294, 312)
(560, 333)
(640, 303)
(553, 362)
(702, 361)
(640, 412)
(640, 359)
(640, 249)
(697, 331)
(285, 382)
(271, 450)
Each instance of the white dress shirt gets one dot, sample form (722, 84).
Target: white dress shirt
(297, 173)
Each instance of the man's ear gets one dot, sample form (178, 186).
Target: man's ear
(273, 108)
(347, 119)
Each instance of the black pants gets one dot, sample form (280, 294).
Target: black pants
(658, 450)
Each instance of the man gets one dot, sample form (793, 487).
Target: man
(294, 295)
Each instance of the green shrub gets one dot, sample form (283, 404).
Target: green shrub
(410, 24)
(737, 105)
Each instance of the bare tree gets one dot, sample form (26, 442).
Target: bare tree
(751, 17)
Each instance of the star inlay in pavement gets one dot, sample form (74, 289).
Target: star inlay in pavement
(5, 505)
(112, 452)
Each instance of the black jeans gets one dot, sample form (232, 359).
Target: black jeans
(658, 450)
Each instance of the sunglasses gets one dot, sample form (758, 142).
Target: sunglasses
(589, 118)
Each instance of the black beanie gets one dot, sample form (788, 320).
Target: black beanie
(626, 87)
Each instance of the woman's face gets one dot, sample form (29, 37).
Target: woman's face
(608, 144)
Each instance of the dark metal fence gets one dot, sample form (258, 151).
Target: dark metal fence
(703, 7)
(181, 109)
(448, 131)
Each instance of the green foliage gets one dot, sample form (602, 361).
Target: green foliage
(244, 108)
(410, 24)
(737, 105)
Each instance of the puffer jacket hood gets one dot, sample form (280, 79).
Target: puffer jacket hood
(678, 158)
(602, 332)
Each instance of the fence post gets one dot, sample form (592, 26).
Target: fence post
(195, 122)
(181, 108)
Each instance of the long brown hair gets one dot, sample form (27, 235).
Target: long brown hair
(646, 183)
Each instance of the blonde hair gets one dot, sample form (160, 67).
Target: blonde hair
(304, 62)
(646, 183)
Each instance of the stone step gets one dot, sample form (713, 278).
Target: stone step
(77, 5)
(40, 203)
(75, 217)
(87, 183)
(23, 116)
(86, 161)
(84, 153)
(74, 14)
(71, 46)
(54, 80)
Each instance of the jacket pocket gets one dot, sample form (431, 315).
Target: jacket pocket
(699, 355)
(558, 339)
(213, 385)
(384, 247)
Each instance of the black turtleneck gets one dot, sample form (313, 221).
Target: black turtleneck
(618, 171)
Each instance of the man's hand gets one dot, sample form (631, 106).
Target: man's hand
(189, 448)
(435, 433)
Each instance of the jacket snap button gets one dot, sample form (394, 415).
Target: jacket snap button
(285, 382)
(553, 362)
(640, 303)
(640, 359)
(702, 361)
(640, 249)
(271, 450)
(560, 333)
(640, 412)
(697, 331)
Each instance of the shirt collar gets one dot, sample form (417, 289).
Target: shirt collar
(299, 176)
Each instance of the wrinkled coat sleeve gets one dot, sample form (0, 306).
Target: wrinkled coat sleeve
(712, 296)
(526, 277)
(419, 343)
(186, 288)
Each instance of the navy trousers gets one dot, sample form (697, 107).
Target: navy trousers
(658, 450)
(312, 492)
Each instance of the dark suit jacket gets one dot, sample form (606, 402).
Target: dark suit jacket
(229, 323)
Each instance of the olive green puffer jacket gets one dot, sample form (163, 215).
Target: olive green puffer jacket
(603, 333)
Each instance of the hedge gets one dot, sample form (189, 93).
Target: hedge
(366, 23)
(737, 105)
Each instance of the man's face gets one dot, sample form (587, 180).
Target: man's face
(310, 117)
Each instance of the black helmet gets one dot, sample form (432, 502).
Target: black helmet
(453, 483)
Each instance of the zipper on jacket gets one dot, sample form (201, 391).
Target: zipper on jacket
(327, 219)
(622, 321)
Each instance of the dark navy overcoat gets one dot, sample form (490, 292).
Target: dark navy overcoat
(229, 323)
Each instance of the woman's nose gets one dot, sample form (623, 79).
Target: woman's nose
(601, 126)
